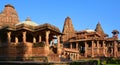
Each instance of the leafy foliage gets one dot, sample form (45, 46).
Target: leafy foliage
(113, 61)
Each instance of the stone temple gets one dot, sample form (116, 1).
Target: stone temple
(28, 41)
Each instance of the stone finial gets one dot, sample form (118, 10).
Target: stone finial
(9, 5)
(68, 17)
(28, 19)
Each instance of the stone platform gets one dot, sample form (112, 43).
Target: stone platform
(48, 63)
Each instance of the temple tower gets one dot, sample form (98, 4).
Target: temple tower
(99, 29)
(68, 30)
(8, 16)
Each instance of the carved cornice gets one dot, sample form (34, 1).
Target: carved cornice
(31, 28)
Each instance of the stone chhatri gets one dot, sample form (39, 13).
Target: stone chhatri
(27, 40)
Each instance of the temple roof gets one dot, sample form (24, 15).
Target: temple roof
(47, 26)
(89, 30)
(86, 31)
(22, 26)
(28, 22)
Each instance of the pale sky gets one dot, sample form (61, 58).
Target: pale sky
(85, 14)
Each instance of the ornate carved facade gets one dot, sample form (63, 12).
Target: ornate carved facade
(89, 43)
(28, 41)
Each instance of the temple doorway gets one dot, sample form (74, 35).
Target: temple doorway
(82, 48)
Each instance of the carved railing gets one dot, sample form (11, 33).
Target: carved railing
(89, 50)
(54, 58)
(95, 50)
(39, 44)
(109, 55)
(71, 50)
(101, 51)
(38, 51)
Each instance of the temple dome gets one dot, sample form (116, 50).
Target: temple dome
(28, 22)
(89, 30)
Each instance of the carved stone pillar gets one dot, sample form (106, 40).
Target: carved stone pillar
(115, 49)
(78, 56)
(104, 48)
(52, 42)
(16, 40)
(76, 45)
(92, 48)
(86, 46)
(58, 40)
(59, 50)
(8, 49)
(98, 47)
(75, 56)
(39, 38)
(70, 45)
(34, 40)
(24, 36)
(47, 43)
(9, 37)
(47, 38)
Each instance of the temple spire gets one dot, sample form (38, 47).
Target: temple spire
(99, 29)
(68, 29)
(68, 26)
(9, 16)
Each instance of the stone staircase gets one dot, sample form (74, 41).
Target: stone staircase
(53, 57)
